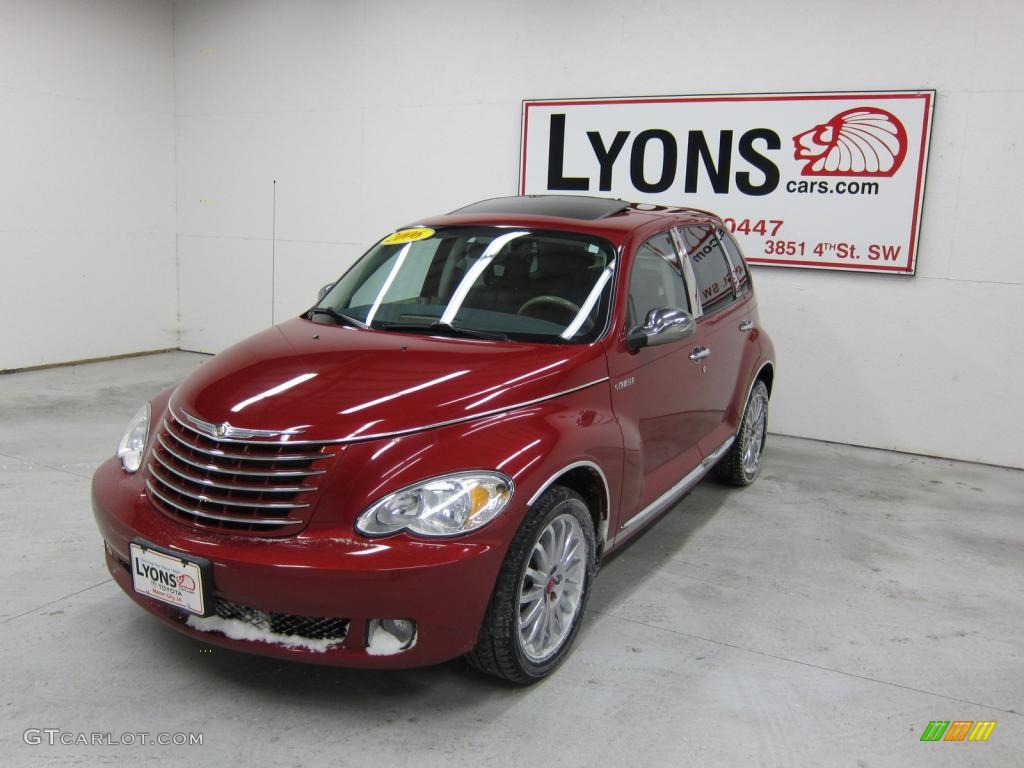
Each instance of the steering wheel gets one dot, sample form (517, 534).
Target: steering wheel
(554, 301)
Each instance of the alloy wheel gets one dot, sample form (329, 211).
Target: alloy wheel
(551, 591)
(753, 430)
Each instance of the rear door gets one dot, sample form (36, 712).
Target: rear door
(723, 321)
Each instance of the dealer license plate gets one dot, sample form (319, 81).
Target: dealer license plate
(169, 578)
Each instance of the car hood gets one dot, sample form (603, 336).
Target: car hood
(306, 381)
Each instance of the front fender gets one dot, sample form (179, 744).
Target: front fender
(531, 445)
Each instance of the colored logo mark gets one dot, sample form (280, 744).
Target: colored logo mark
(865, 141)
(958, 730)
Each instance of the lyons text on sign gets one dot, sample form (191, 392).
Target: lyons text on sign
(820, 180)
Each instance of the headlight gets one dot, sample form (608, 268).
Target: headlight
(130, 449)
(443, 506)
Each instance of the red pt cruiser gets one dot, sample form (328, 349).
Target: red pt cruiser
(433, 460)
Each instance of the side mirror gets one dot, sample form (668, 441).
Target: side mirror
(663, 325)
(323, 292)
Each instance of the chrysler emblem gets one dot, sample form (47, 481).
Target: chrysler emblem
(225, 430)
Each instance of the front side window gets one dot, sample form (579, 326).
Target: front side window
(656, 281)
(502, 283)
(711, 268)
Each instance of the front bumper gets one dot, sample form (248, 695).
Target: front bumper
(444, 586)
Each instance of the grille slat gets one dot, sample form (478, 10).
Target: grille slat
(245, 473)
(232, 486)
(205, 514)
(225, 501)
(262, 488)
(256, 457)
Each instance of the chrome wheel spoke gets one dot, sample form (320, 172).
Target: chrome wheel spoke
(539, 578)
(569, 550)
(543, 635)
(561, 539)
(565, 605)
(530, 619)
(574, 575)
(557, 621)
(532, 596)
(535, 625)
(545, 550)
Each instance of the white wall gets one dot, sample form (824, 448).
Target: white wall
(87, 260)
(371, 114)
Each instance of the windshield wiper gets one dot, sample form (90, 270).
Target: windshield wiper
(341, 317)
(444, 329)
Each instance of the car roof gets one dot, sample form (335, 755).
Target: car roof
(559, 206)
(612, 218)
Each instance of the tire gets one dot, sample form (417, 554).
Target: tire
(741, 465)
(537, 605)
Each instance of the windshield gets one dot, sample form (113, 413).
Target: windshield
(485, 282)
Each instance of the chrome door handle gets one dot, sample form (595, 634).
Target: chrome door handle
(699, 353)
(746, 325)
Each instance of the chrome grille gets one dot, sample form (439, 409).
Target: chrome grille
(258, 488)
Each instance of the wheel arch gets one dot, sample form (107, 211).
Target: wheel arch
(588, 480)
(765, 373)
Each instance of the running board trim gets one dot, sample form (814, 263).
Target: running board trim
(677, 490)
(719, 453)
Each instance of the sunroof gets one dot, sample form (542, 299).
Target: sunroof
(563, 206)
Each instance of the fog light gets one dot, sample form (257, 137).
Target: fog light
(386, 637)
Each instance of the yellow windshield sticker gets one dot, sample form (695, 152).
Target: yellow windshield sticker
(407, 236)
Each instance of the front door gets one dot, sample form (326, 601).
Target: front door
(653, 388)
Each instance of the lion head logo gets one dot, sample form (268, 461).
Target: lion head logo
(186, 582)
(864, 141)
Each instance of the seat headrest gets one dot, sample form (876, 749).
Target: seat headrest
(563, 262)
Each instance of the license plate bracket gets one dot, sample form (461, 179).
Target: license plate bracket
(184, 581)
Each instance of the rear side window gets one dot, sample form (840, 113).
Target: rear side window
(711, 268)
(740, 275)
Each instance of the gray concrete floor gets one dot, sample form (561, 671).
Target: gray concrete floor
(821, 617)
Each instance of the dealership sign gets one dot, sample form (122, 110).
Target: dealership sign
(820, 180)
